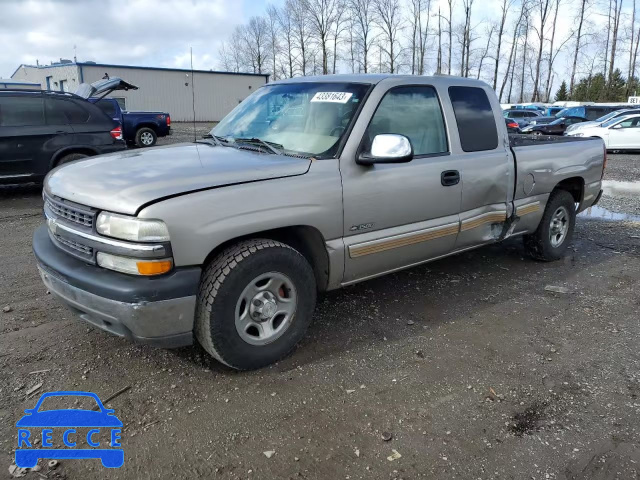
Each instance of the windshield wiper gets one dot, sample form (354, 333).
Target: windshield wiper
(218, 141)
(274, 148)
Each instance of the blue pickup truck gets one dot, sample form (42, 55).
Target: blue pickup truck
(138, 128)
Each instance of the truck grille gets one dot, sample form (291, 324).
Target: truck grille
(75, 246)
(70, 213)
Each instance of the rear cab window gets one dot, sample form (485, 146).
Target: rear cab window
(21, 111)
(475, 119)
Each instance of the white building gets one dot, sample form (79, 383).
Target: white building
(159, 89)
(11, 83)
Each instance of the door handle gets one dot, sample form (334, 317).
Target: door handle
(450, 178)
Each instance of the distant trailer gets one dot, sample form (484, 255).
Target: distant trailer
(12, 83)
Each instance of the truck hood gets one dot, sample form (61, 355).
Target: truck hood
(123, 182)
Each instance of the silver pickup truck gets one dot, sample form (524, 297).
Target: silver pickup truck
(308, 185)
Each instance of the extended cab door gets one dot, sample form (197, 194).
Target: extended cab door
(480, 152)
(397, 215)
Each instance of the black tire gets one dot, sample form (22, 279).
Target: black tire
(222, 285)
(146, 137)
(72, 157)
(539, 244)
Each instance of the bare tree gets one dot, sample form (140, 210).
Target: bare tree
(582, 10)
(450, 20)
(525, 35)
(286, 25)
(389, 20)
(632, 41)
(340, 23)
(363, 13)
(513, 53)
(419, 33)
(551, 58)
(274, 36)
(302, 32)
(466, 38)
(439, 61)
(543, 8)
(254, 43)
(506, 6)
(485, 53)
(617, 11)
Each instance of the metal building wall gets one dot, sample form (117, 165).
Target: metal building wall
(216, 94)
(68, 72)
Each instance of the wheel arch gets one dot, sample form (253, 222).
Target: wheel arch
(573, 185)
(152, 126)
(68, 151)
(304, 238)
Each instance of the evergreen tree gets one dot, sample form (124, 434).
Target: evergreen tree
(562, 95)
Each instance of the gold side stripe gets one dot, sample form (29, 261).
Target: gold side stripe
(378, 246)
(491, 217)
(527, 209)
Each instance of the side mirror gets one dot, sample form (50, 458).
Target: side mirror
(616, 127)
(387, 148)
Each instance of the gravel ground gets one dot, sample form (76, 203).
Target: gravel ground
(464, 368)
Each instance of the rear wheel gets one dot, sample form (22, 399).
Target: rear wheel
(255, 303)
(146, 137)
(71, 158)
(551, 240)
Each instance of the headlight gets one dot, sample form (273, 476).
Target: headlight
(134, 266)
(132, 228)
(577, 134)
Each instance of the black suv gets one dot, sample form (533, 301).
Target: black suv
(40, 130)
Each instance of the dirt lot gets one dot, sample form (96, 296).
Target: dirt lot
(464, 368)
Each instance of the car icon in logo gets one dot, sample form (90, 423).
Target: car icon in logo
(70, 425)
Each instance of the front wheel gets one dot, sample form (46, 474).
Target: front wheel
(255, 303)
(551, 240)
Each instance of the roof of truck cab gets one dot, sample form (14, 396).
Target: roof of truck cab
(374, 78)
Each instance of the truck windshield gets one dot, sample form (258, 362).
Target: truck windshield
(300, 118)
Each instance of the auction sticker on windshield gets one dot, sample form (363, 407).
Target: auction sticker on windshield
(332, 97)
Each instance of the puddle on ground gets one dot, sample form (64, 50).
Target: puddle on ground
(599, 213)
(614, 188)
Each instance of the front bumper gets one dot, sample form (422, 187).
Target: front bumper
(158, 310)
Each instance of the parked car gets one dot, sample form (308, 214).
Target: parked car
(621, 133)
(512, 125)
(138, 128)
(588, 112)
(605, 118)
(229, 240)
(40, 130)
(522, 116)
(557, 127)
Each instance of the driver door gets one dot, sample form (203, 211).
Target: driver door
(397, 215)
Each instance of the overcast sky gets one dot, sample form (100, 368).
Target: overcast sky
(130, 32)
(160, 32)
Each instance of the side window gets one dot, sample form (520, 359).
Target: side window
(54, 110)
(475, 119)
(415, 113)
(21, 111)
(122, 102)
(75, 113)
(107, 107)
(630, 123)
